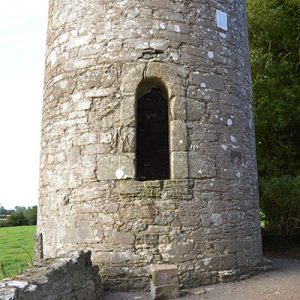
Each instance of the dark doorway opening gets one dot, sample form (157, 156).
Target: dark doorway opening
(152, 144)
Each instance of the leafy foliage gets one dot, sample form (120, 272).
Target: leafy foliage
(281, 204)
(274, 31)
(20, 216)
(4, 212)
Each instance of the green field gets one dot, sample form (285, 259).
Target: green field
(16, 249)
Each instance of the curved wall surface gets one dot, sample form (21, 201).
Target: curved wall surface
(104, 55)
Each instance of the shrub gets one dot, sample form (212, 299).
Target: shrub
(280, 203)
(20, 216)
(3, 223)
(17, 218)
(30, 215)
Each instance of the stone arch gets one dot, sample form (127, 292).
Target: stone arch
(168, 76)
(172, 77)
(152, 131)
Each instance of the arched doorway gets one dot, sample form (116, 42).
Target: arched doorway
(152, 133)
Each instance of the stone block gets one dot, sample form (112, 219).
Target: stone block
(178, 108)
(38, 246)
(127, 140)
(201, 164)
(214, 82)
(224, 262)
(195, 110)
(122, 238)
(112, 166)
(178, 138)
(164, 292)
(163, 275)
(179, 165)
(132, 74)
(167, 74)
(164, 282)
(86, 139)
(128, 111)
(227, 275)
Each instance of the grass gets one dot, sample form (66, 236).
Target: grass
(16, 249)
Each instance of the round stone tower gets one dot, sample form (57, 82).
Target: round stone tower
(148, 146)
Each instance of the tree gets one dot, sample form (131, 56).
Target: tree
(274, 31)
(22, 216)
(30, 215)
(3, 211)
(17, 218)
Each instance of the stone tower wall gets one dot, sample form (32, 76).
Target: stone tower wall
(205, 218)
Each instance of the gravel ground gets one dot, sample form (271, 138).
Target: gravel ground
(283, 283)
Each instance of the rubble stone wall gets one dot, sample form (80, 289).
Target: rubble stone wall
(69, 277)
(205, 219)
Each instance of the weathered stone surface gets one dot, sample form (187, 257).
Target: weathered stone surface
(68, 277)
(101, 57)
(201, 164)
(214, 82)
(38, 247)
(110, 167)
(179, 164)
(164, 275)
(195, 110)
(178, 133)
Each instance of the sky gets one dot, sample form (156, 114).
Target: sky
(23, 26)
